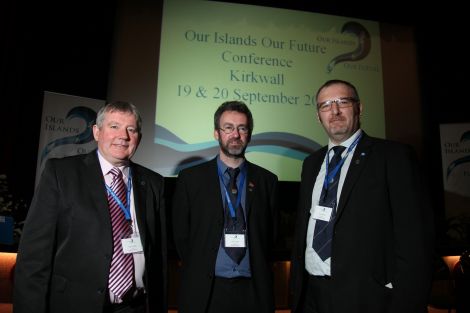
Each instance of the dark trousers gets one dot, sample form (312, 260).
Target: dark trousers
(137, 304)
(232, 295)
(317, 297)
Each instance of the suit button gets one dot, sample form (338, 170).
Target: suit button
(101, 291)
(210, 275)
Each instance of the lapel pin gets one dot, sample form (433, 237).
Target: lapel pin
(358, 160)
(251, 186)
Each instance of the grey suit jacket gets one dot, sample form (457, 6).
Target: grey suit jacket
(198, 225)
(66, 247)
(383, 232)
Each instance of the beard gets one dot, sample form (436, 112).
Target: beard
(233, 151)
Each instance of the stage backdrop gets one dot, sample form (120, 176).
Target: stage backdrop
(66, 127)
(455, 147)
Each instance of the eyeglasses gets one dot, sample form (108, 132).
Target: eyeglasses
(228, 129)
(342, 103)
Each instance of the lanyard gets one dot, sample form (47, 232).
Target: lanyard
(125, 209)
(330, 176)
(227, 196)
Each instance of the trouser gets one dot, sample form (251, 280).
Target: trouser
(232, 295)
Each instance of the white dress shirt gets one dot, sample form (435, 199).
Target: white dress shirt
(313, 263)
(139, 259)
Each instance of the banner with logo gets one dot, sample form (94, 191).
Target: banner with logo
(66, 127)
(455, 149)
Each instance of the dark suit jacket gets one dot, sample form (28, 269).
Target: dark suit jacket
(66, 246)
(198, 226)
(383, 232)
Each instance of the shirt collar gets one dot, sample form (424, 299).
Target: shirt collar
(223, 167)
(106, 166)
(347, 143)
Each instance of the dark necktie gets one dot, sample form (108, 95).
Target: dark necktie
(121, 275)
(323, 233)
(237, 224)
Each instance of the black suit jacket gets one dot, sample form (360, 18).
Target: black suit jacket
(198, 226)
(66, 247)
(383, 232)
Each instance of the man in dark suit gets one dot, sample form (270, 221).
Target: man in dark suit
(81, 249)
(363, 241)
(224, 224)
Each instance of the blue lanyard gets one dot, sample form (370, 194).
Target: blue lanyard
(227, 196)
(330, 176)
(126, 209)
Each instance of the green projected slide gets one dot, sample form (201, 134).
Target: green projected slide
(272, 59)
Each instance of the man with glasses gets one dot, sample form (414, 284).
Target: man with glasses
(224, 223)
(363, 241)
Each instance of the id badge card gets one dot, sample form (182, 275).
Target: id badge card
(234, 239)
(322, 213)
(131, 245)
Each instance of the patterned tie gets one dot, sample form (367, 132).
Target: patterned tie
(121, 276)
(234, 225)
(323, 233)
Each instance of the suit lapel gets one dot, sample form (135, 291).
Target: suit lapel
(212, 180)
(358, 163)
(310, 173)
(139, 186)
(251, 183)
(311, 176)
(93, 176)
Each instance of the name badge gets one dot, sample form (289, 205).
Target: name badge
(235, 240)
(322, 213)
(131, 245)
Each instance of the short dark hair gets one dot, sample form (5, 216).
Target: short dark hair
(237, 106)
(120, 106)
(336, 82)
